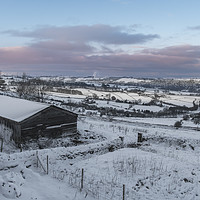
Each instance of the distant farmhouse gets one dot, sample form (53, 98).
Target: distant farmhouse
(26, 119)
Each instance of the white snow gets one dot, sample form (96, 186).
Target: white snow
(130, 80)
(19, 109)
(165, 166)
(27, 184)
(157, 170)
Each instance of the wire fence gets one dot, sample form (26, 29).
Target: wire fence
(99, 189)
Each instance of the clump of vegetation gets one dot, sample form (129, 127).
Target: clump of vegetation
(178, 124)
(186, 117)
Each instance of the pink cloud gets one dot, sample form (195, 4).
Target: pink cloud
(122, 64)
(69, 50)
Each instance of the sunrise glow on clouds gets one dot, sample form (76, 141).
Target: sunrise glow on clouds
(112, 50)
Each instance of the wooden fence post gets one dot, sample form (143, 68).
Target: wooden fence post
(37, 158)
(47, 164)
(82, 174)
(122, 139)
(139, 137)
(20, 147)
(123, 192)
(1, 144)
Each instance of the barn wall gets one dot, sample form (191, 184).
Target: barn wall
(51, 120)
(13, 130)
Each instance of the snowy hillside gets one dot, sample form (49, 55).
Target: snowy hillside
(105, 161)
(166, 166)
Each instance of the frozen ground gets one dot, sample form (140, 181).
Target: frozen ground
(24, 183)
(166, 166)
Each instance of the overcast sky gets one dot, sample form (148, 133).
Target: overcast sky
(138, 38)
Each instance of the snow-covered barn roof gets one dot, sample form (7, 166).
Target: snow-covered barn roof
(19, 109)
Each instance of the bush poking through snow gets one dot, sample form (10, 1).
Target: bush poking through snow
(178, 124)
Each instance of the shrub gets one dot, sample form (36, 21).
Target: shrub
(178, 124)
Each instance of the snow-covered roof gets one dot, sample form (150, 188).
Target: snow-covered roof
(19, 109)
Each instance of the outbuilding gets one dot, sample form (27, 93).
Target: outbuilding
(27, 119)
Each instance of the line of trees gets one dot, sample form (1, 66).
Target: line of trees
(33, 89)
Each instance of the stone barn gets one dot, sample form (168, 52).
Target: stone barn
(21, 119)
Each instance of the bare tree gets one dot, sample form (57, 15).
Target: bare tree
(31, 88)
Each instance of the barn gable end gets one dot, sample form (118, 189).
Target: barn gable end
(13, 131)
(35, 119)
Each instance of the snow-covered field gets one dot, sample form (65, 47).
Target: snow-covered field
(183, 99)
(165, 167)
(109, 162)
